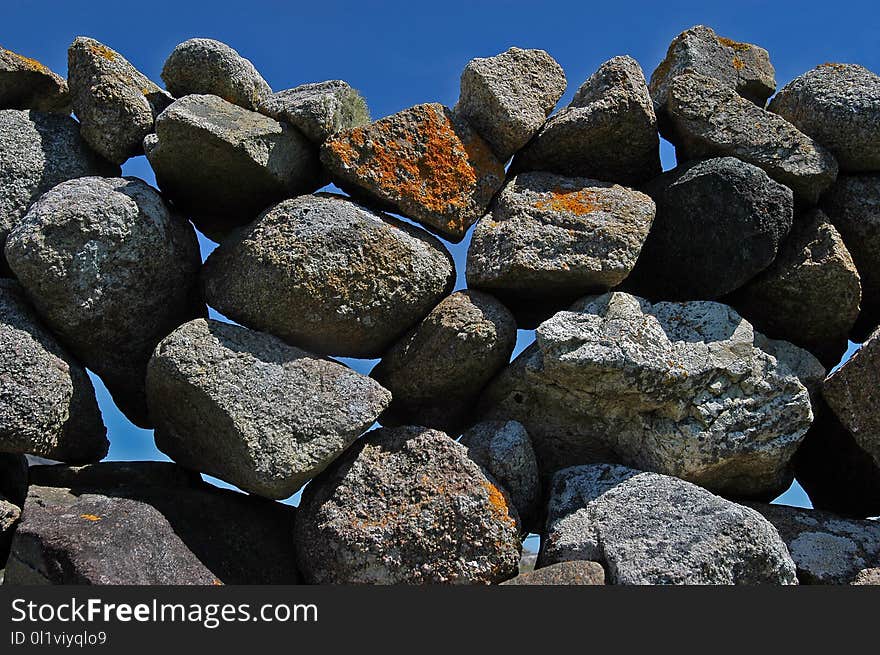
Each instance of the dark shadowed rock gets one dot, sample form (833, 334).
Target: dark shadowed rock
(13, 489)
(563, 573)
(645, 528)
(608, 131)
(111, 269)
(423, 162)
(326, 274)
(437, 370)
(406, 505)
(147, 523)
(509, 96)
(247, 408)
(27, 84)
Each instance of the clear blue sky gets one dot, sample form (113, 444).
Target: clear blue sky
(399, 54)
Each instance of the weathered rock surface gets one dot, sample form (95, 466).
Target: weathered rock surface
(25, 83)
(708, 119)
(437, 370)
(645, 528)
(423, 162)
(503, 448)
(13, 489)
(111, 269)
(719, 223)
(563, 573)
(509, 96)
(147, 523)
(406, 505)
(115, 103)
(810, 294)
(684, 389)
(549, 240)
(867, 577)
(47, 402)
(247, 408)
(607, 132)
(206, 66)
(318, 109)
(839, 106)
(326, 274)
(826, 548)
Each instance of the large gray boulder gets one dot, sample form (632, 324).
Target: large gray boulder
(684, 389)
(509, 96)
(406, 506)
(146, 523)
(25, 83)
(329, 275)
(563, 573)
(111, 269)
(648, 529)
(437, 370)
(115, 103)
(247, 408)
(608, 132)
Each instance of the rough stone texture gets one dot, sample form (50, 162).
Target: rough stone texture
(437, 370)
(147, 523)
(685, 389)
(202, 139)
(503, 448)
(206, 66)
(319, 109)
(509, 96)
(326, 274)
(839, 106)
(38, 151)
(708, 119)
(563, 573)
(867, 577)
(406, 505)
(645, 528)
(810, 294)
(47, 402)
(27, 84)
(115, 103)
(111, 269)
(826, 548)
(607, 132)
(247, 408)
(719, 223)
(423, 162)
(549, 240)
(13, 489)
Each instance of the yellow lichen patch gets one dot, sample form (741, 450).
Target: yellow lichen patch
(578, 202)
(90, 517)
(738, 63)
(498, 504)
(736, 45)
(31, 64)
(100, 50)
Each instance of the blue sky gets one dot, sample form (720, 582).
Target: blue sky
(399, 54)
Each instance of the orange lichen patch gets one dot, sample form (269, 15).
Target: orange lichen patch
(835, 66)
(578, 202)
(31, 64)
(498, 503)
(90, 517)
(736, 45)
(216, 583)
(738, 63)
(100, 50)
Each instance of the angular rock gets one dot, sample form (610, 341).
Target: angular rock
(839, 106)
(645, 528)
(326, 274)
(867, 577)
(147, 523)
(111, 269)
(423, 162)
(509, 96)
(437, 370)
(563, 573)
(608, 131)
(718, 224)
(549, 240)
(810, 294)
(406, 505)
(504, 449)
(249, 409)
(13, 489)
(27, 84)
(202, 143)
(683, 389)
(708, 119)
(47, 402)
(115, 103)
(826, 548)
(319, 109)
(206, 66)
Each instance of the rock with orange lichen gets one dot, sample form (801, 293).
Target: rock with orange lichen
(406, 506)
(27, 84)
(608, 132)
(564, 573)
(423, 162)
